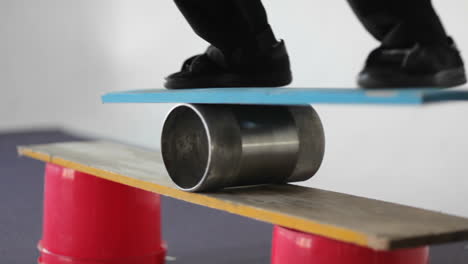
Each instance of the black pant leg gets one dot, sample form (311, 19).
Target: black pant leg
(255, 15)
(415, 19)
(425, 23)
(376, 16)
(229, 24)
(219, 22)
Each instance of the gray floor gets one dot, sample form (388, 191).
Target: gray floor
(194, 234)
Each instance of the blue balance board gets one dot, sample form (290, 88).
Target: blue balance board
(289, 96)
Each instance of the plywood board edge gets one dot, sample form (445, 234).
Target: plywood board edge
(25, 151)
(333, 232)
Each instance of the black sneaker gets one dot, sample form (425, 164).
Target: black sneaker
(270, 68)
(418, 66)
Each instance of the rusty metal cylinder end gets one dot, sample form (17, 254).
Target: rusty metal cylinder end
(211, 147)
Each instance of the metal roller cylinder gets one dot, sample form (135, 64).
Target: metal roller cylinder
(210, 147)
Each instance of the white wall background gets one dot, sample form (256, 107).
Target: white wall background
(58, 56)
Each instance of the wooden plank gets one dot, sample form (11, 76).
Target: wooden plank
(289, 96)
(366, 222)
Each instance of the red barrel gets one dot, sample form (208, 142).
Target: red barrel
(290, 246)
(88, 220)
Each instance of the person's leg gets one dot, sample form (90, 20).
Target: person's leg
(423, 21)
(415, 50)
(415, 20)
(218, 22)
(375, 16)
(243, 51)
(255, 15)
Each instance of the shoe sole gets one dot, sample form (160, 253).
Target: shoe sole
(378, 79)
(274, 79)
